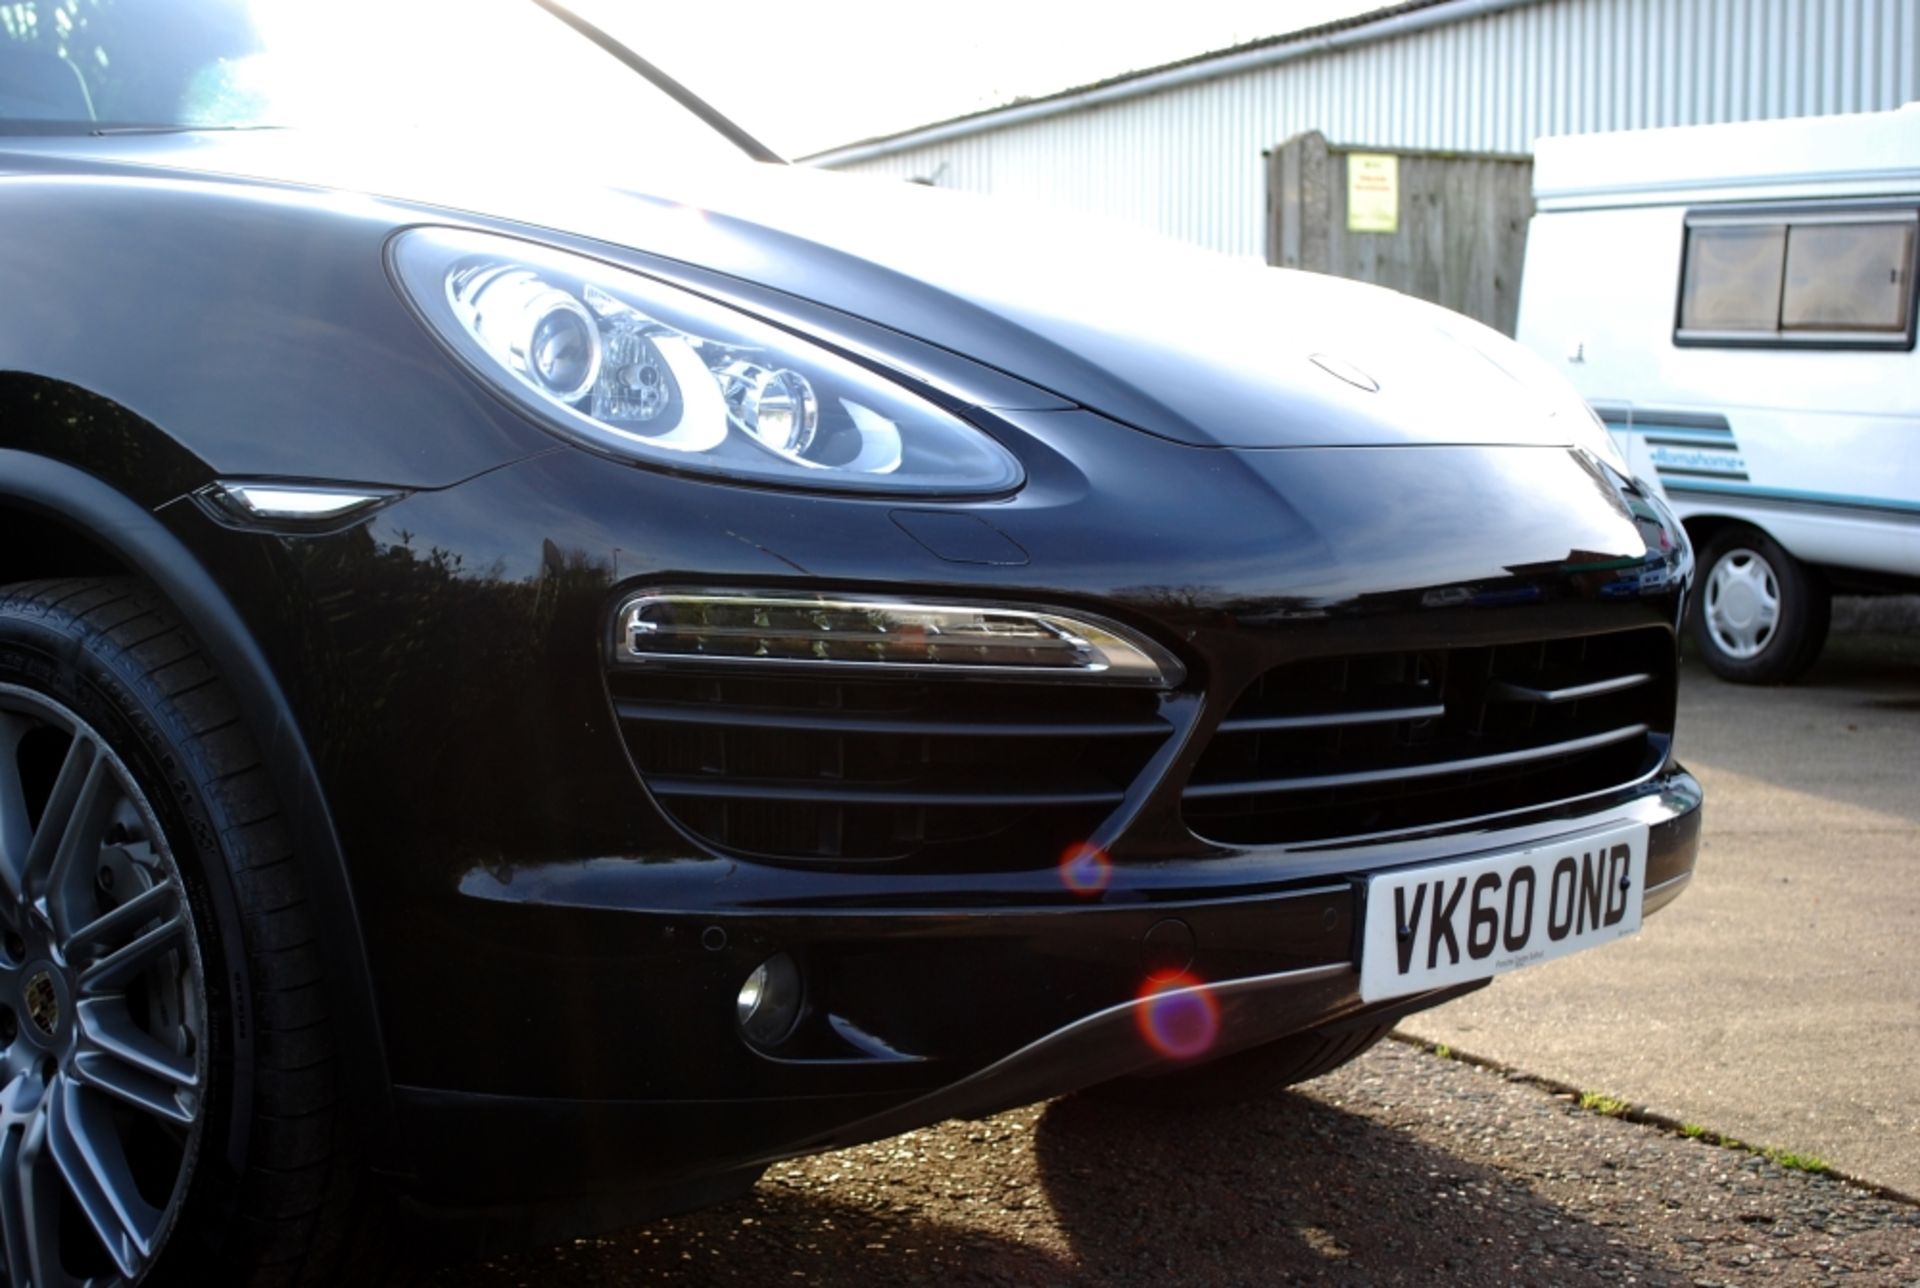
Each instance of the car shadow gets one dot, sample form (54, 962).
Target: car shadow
(1290, 1189)
(1286, 1190)
(772, 1236)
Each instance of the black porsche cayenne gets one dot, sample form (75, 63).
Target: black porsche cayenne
(543, 669)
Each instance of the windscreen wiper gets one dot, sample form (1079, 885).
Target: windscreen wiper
(100, 131)
(672, 88)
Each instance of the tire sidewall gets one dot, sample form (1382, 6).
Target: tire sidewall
(73, 664)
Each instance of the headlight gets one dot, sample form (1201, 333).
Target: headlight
(658, 375)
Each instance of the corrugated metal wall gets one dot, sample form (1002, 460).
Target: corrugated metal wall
(1187, 160)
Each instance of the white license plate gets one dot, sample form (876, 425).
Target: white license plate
(1448, 923)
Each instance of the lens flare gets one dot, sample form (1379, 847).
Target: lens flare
(1085, 868)
(1179, 1017)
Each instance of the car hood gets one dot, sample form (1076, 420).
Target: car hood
(1174, 340)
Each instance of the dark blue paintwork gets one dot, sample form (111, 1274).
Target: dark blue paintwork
(430, 682)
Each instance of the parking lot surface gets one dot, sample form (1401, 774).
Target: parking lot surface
(1778, 1000)
(1402, 1168)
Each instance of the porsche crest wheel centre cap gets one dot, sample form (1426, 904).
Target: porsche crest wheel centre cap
(42, 997)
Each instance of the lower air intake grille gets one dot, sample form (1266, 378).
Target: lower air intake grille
(943, 772)
(1382, 742)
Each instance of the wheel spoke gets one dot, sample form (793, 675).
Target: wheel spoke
(85, 1148)
(72, 827)
(114, 927)
(129, 1064)
(16, 823)
(120, 966)
(13, 1214)
(38, 1186)
(15, 1229)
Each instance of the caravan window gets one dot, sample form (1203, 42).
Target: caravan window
(1848, 277)
(1825, 279)
(1733, 278)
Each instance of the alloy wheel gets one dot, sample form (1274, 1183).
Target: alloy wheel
(103, 1061)
(1742, 603)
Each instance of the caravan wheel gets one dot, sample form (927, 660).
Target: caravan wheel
(1759, 615)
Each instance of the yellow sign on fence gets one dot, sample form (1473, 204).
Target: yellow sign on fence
(1373, 192)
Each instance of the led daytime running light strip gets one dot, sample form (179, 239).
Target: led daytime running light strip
(787, 630)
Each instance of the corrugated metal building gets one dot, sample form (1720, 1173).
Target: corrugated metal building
(1179, 148)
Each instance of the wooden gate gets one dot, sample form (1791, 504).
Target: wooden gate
(1458, 221)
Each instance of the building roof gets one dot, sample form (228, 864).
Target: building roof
(1361, 27)
(1864, 154)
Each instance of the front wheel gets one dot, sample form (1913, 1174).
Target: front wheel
(103, 1006)
(1760, 616)
(168, 1104)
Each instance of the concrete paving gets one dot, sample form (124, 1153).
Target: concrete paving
(1778, 1000)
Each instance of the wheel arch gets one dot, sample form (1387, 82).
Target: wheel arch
(58, 519)
(1702, 528)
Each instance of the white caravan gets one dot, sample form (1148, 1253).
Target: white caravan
(1738, 304)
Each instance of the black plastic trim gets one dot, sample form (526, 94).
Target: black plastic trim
(830, 793)
(834, 720)
(1422, 769)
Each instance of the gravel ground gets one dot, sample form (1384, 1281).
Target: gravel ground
(1403, 1168)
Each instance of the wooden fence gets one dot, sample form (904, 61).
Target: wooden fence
(1459, 222)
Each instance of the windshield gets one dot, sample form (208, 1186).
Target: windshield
(503, 68)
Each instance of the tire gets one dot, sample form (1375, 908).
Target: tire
(1257, 1073)
(205, 1057)
(1759, 616)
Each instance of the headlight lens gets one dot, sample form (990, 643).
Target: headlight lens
(655, 374)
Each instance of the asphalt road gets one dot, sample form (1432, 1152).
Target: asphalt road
(1778, 1000)
(1401, 1168)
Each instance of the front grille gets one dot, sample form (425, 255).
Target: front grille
(1382, 742)
(943, 772)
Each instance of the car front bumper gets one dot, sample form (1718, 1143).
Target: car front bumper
(1008, 1005)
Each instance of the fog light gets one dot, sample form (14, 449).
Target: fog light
(871, 634)
(769, 1002)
